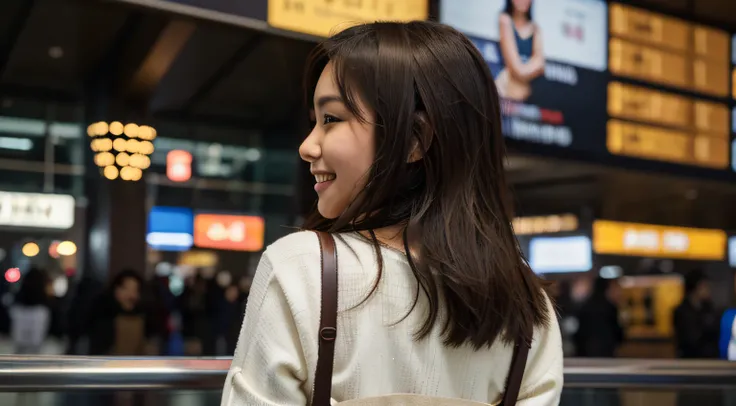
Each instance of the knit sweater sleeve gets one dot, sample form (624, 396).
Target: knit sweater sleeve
(269, 367)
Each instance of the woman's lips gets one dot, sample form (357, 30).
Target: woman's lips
(322, 186)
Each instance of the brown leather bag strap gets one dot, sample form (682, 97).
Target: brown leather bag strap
(327, 322)
(516, 370)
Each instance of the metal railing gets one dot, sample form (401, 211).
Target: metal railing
(43, 373)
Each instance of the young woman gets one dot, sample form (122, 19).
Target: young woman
(521, 47)
(407, 156)
(30, 314)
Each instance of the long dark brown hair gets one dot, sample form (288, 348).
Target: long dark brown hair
(430, 89)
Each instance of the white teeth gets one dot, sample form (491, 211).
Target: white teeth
(321, 177)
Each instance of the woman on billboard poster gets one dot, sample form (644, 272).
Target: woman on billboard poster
(521, 47)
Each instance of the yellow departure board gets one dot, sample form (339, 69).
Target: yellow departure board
(667, 109)
(324, 17)
(651, 124)
(663, 144)
(668, 51)
(616, 238)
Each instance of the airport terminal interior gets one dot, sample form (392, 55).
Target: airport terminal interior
(159, 138)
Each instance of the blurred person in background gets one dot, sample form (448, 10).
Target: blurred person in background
(696, 321)
(600, 333)
(30, 314)
(118, 324)
(197, 328)
(229, 318)
(83, 300)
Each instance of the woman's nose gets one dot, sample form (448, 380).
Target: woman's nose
(310, 149)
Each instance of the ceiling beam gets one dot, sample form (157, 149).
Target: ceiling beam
(16, 28)
(223, 71)
(159, 58)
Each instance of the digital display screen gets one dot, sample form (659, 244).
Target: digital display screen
(732, 251)
(560, 254)
(170, 228)
(550, 70)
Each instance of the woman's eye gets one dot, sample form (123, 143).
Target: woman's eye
(328, 119)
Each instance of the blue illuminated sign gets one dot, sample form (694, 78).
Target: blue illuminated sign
(170, 228)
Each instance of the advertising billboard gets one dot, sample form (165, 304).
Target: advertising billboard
(549, 60)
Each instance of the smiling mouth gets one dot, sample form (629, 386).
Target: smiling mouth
(324, 177)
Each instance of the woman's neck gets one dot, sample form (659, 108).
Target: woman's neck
(519, 19)
(391, 236)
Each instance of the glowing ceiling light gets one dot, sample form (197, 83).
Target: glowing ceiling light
(116, 128)
(66, 248)
(119, 144)
(133, 146)
(122, 159)
(131, 130)
(110, 172)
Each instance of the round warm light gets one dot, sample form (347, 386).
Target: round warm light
(30, 249)
(119, 144)
(133, 146)
(116, 128)
(104, 159)
(145, 147)
(104, 144)
(94, 145)
(122, 159)
(66, 248)
(146, 133)
(126, 174)
(136, 160)
(131, 130)
(145, 163)
(97, 129)
(101, 128)
(110, 172)
(137, 174)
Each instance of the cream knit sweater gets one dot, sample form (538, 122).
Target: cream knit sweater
(276, 356)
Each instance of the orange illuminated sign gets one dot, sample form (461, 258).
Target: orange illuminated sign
(229, 232)
(646, 240)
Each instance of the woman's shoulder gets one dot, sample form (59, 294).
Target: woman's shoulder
(294, 245)
(303, 248)
(505, 20)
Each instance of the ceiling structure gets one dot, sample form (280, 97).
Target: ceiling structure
(241, 75)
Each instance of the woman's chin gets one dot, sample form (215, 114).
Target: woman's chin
(327, 210)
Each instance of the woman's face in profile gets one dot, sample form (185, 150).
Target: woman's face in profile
(522, 6)
(340, 148)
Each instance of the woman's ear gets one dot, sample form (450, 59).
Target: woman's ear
(422, 137)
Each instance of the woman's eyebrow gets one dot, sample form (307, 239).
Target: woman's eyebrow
(321, 101)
